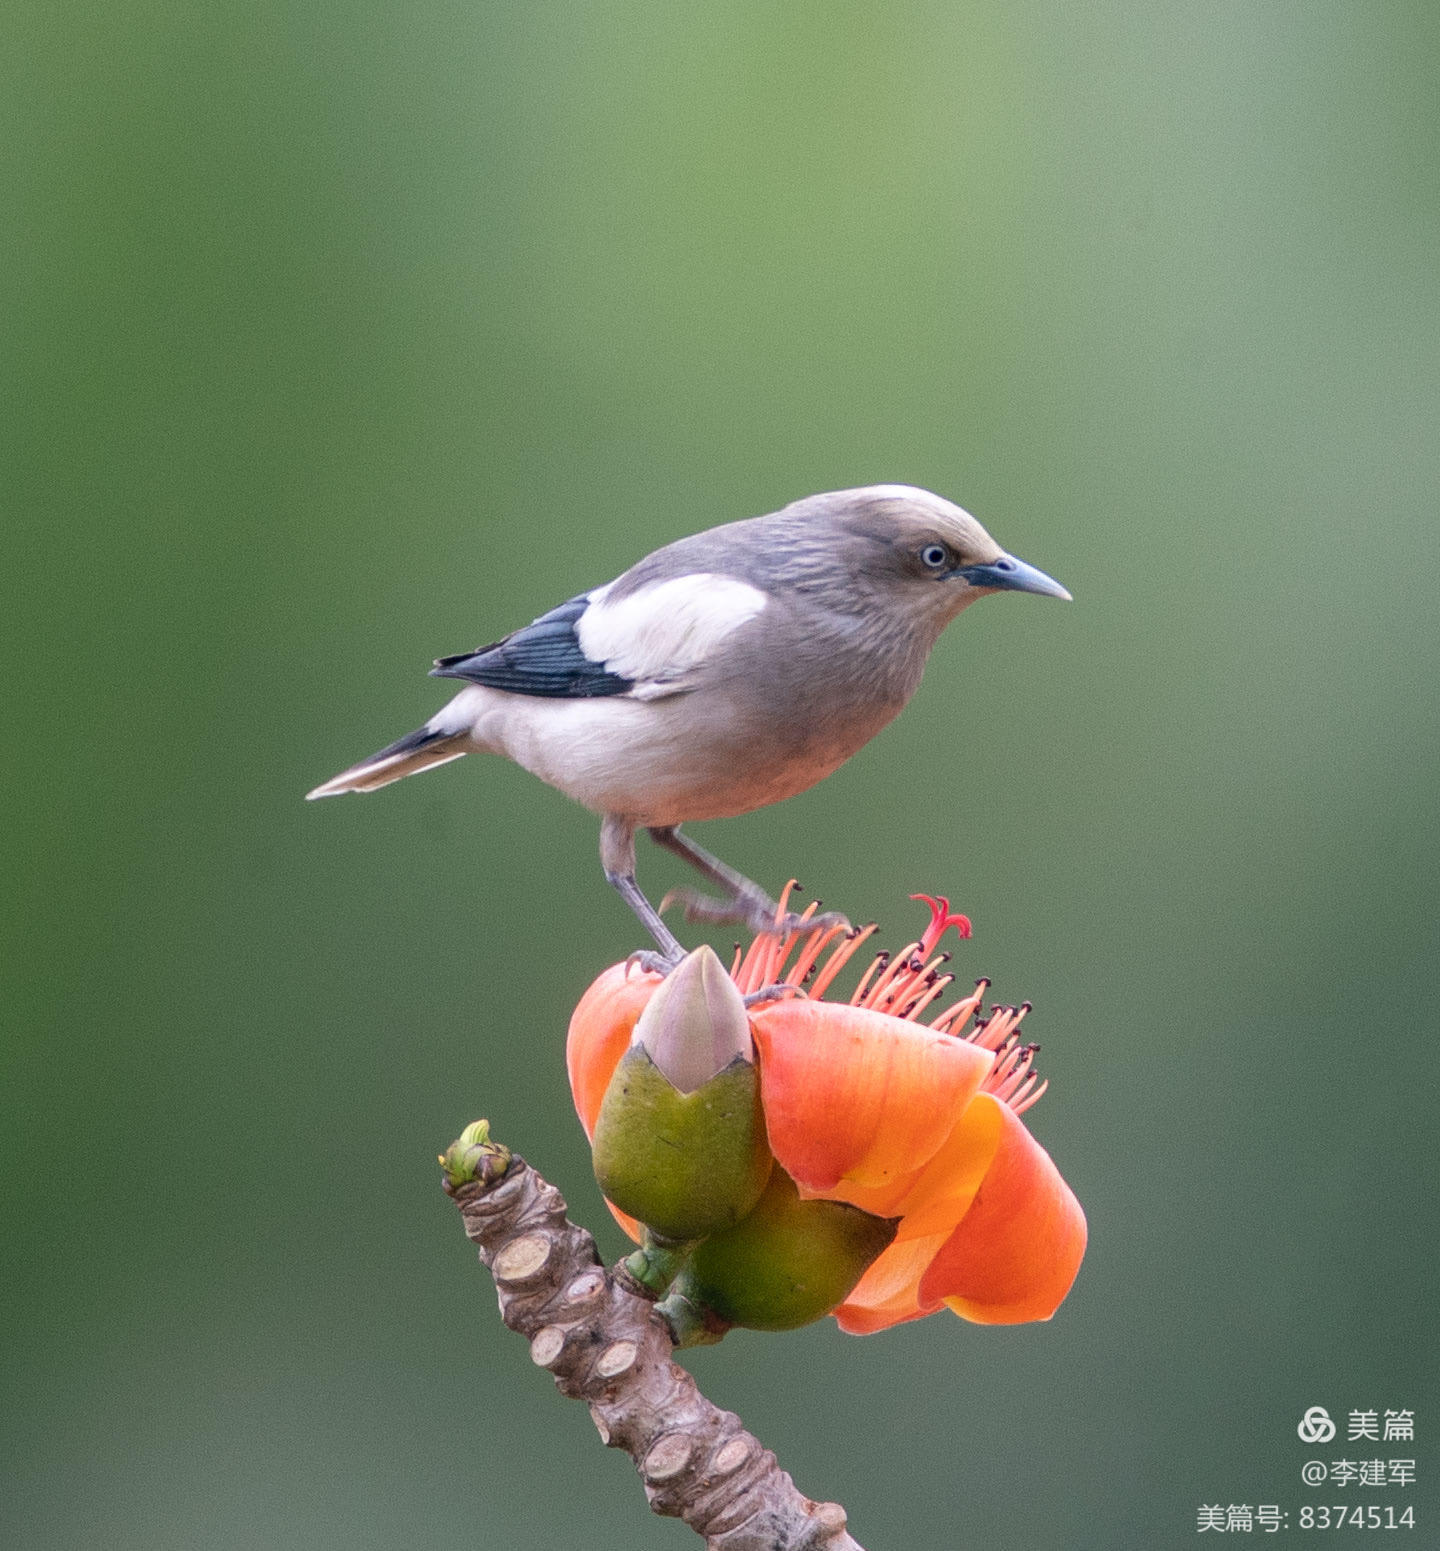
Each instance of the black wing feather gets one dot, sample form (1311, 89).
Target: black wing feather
(542, 659)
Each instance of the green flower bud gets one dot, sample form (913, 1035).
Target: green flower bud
(788, 1263)
(680, 1139)
(695, 1024)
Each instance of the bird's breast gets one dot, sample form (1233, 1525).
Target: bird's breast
(711, 753)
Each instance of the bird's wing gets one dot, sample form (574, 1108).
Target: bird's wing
(545, 658)
(647, 643)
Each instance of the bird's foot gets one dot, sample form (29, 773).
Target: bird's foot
(792, 925)
(773, 993)
(756, 910)
(654, 963)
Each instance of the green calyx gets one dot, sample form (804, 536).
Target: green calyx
(786, 1264)
(684, 1164)
(680, 1139)
(655, 1265)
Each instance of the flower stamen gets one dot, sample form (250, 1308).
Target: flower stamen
(952, 1019)
(990, 1033)
(897, 971)
(922, 974)
(744, 975)
(854, 939)
(1023, 1101)
(938, 987)
(880, 963)
(785, 944)
(815, 945)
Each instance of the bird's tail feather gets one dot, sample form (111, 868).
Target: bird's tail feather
(416, 751)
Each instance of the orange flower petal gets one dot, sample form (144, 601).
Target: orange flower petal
(600, 1031)
(941, 1196)
(1016, 1251)
(889, 1292)
(858, 1102)
(630, 1224)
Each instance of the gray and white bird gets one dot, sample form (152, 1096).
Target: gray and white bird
(726, 671)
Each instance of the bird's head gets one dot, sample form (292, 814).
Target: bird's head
(922, 553)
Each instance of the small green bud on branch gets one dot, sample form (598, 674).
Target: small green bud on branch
(474, 1156)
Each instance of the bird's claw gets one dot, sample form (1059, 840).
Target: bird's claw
(651, 962)
(799, 926)
(755, 911)
(773, 993)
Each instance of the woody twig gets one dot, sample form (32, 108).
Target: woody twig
(605, 1344)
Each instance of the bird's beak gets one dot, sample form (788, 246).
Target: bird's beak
(1013, 575)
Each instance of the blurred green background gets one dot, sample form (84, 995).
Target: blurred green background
(340, 334)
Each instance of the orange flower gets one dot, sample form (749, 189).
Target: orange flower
(908, 1120)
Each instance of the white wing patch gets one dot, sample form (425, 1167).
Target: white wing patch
(665, 631)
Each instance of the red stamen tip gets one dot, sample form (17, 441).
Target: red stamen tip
(941, 916)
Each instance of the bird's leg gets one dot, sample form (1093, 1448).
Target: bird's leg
(745, 902)
(617, 857)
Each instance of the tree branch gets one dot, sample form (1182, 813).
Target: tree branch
(605, 1344)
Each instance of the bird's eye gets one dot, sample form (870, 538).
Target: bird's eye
(936, 556)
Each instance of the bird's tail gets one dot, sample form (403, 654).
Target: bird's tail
(416, 751)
